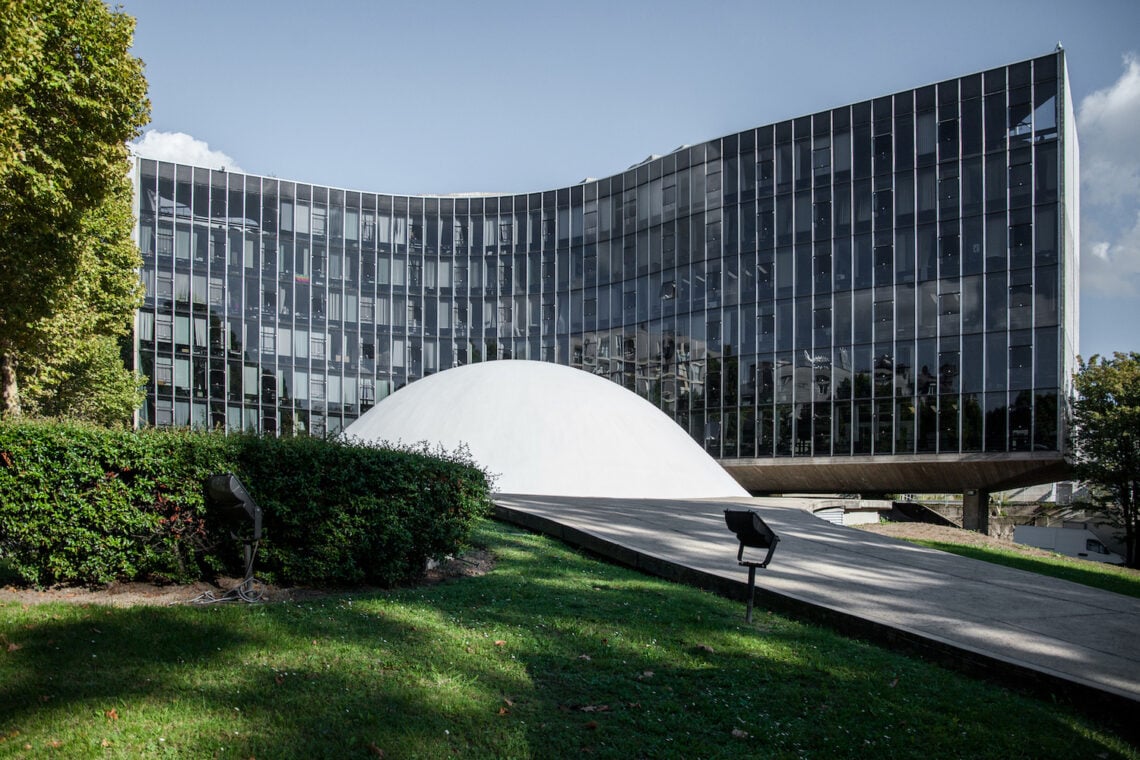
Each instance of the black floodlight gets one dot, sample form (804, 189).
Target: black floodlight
(226, 493)
(754, 533)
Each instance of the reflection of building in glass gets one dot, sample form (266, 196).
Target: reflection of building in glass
(891, 282)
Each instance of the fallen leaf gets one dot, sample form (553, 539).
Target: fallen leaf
(894, 683)
(705, 648)
(594, 708)
(739, 734)
(585, 657)
(55, 744)
(105, 743)
(634, 705)
(508, 702)
(500, 642)
(112, 714)
(375, 750)
(503, 711)
(14, 647)
(645, 675)
(591, 725)
(279, 680)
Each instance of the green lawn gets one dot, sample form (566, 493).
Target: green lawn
(552, 654)
(1121, 580)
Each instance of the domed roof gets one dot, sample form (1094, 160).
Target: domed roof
(550, 430)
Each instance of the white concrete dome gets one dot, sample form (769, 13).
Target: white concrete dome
(549, 430)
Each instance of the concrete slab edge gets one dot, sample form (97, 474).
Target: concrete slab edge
(1096, 700)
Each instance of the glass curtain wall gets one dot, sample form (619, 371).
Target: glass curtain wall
(883, 278)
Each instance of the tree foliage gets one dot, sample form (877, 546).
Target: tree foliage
(1106, 438)
(74, 366)
(71, 96)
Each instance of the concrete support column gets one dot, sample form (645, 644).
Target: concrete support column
(976, 510)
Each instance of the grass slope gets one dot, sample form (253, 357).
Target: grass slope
(552, 654)
(1121, 580)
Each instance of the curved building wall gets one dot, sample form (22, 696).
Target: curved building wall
(890, 278)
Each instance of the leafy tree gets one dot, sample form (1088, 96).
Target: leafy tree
(76, 369)
(92, 385)
(71, 96)
(1106, 439)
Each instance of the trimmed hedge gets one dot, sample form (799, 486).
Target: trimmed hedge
(86, 505)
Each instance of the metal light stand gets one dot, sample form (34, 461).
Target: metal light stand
(227, 492)
(751, 531)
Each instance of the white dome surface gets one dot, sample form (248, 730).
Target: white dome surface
(550, 430)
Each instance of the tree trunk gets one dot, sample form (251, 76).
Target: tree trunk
(1129, 512)
(9, 390)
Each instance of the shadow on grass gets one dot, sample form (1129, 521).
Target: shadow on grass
(552, 654)
(318, 680)
(678, 671)
(1096, 576)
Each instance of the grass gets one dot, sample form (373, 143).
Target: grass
(552, 654)
(1121, 580)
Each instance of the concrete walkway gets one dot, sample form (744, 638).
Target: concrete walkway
(1051, 635)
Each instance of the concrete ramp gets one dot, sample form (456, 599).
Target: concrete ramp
(1051, 635)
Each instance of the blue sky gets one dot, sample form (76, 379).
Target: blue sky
(441, 97)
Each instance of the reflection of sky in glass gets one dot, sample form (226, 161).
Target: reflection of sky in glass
(824, 286)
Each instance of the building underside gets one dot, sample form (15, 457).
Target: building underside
(933, 473)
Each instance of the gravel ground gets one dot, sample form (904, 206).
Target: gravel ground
(475, 562)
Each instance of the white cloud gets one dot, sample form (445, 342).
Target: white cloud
(1109, 127)
(1108, 123)
(180, 147)
(1112, 268)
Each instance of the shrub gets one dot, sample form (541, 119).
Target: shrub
(347, 514)
(80, 504)
(85, 505)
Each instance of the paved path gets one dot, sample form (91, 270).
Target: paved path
(1056, 636)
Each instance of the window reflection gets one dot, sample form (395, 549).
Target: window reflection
(882, 278)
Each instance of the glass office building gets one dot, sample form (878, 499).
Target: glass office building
(886, 283)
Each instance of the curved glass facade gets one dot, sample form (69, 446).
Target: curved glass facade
(893, 277)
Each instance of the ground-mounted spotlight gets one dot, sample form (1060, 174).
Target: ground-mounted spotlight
(226, 494)
(754, 533)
